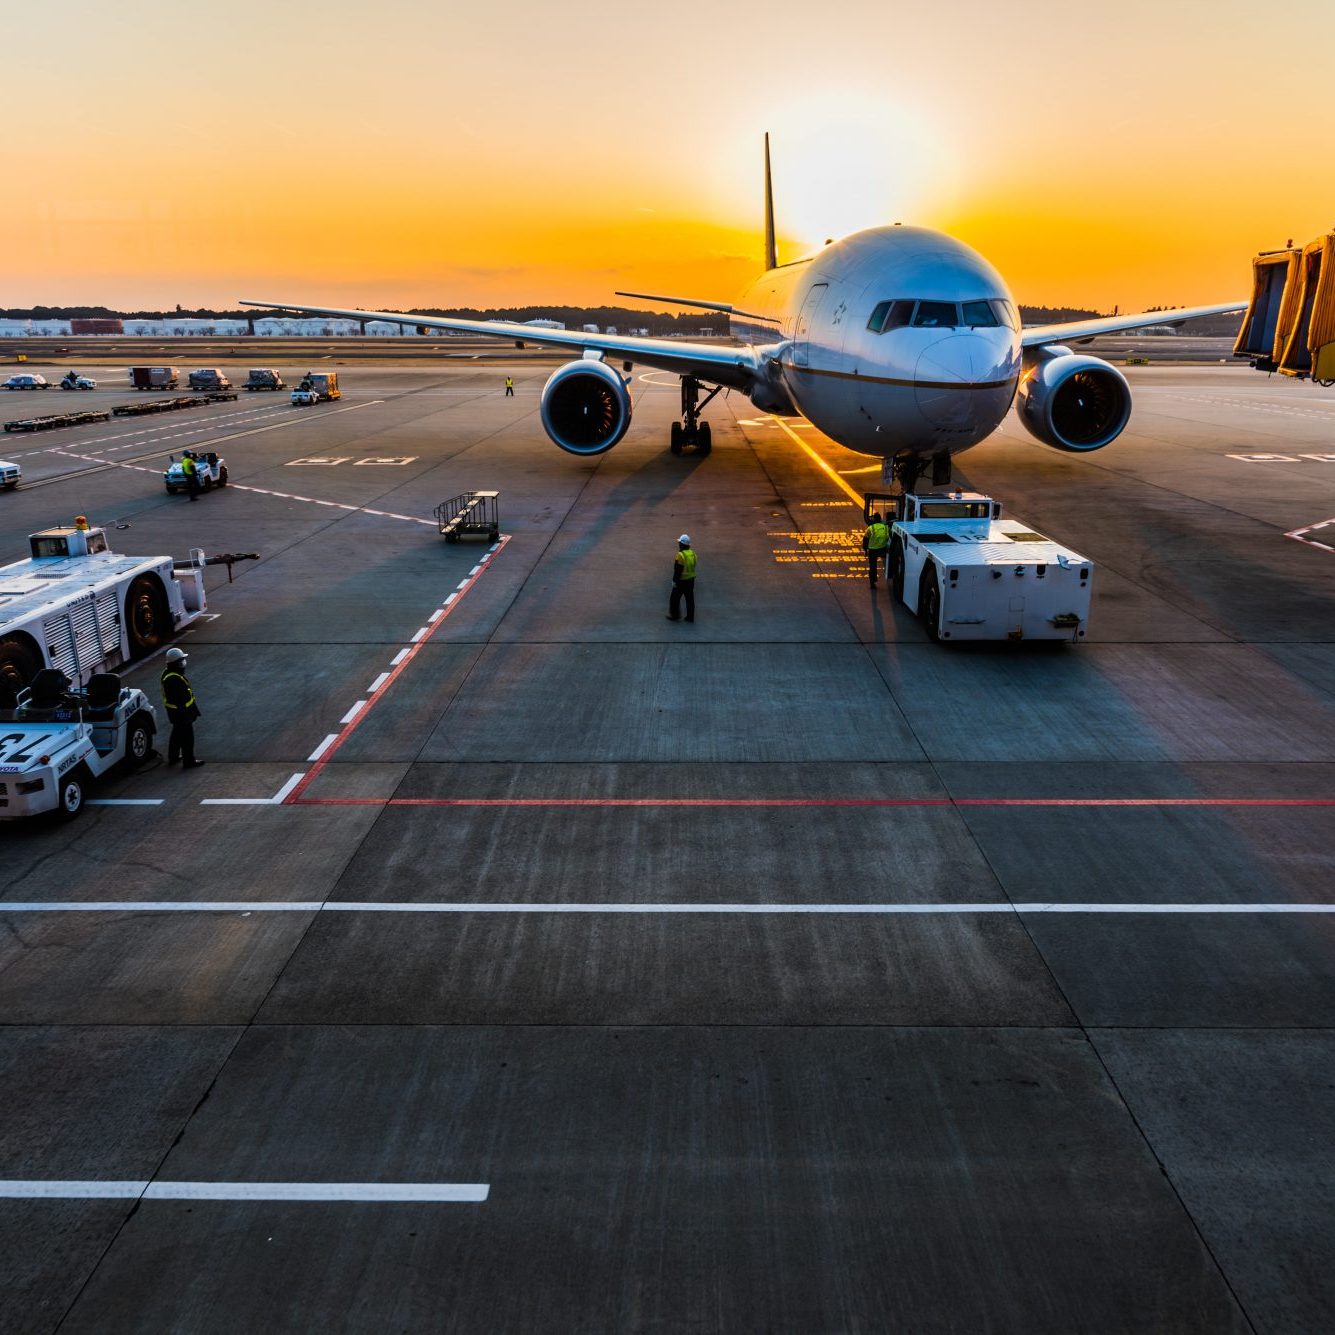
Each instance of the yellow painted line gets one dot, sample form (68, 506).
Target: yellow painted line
(821, 464)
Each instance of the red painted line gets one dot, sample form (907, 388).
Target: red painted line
(375, 697)
(816, 801)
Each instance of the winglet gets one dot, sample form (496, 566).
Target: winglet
(771, 254)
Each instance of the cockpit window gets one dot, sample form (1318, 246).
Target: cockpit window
(935, 315)
(890, 315)
(1006, 313)
(980, 315)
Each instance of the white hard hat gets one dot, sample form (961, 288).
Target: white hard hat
(175, 655)
(686, 538)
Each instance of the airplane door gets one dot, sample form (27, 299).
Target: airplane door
(802, 332)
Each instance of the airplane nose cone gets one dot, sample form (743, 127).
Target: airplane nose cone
(950, 378)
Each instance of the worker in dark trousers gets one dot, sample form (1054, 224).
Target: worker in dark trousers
(509, 387)
(683, 580)
(191, 470)
(876, 543)
(182, 711)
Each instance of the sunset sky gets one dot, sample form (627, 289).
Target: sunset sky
(398, 154)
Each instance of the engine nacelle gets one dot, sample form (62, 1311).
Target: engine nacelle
(585, 407)
(1072, 402)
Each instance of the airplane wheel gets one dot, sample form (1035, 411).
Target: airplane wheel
(704, 438)
(929, 604)
(675, 440)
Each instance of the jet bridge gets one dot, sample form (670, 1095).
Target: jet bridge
(1290, 322)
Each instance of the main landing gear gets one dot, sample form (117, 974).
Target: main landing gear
(691, 430)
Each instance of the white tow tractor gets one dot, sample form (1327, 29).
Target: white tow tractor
(969, 574)
(79, 607)
(54, 741)
(210, 468)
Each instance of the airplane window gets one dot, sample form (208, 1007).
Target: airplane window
(1006, 313)
(935, 314)
(979, 315)
(890, 315)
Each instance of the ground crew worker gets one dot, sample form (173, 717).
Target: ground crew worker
(876, 543)
(182, 711)
(191, 471)
(509, 387)
(683, 580)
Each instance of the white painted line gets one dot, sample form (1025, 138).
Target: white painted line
(236, 801)
(435, 616)
(164, 906)
(399, 657)
(125, 801)
(282, 793)
(437, 906)
(323, 747)
(353, 712)
(377, 683)
(401, 1192)
(422, 633)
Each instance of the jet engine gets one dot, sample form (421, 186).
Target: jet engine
(585, 407)
(1072, 402)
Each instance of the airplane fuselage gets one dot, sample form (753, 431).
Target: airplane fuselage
(893, 340)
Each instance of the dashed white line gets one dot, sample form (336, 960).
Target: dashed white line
(323, 747)
(408, 1193)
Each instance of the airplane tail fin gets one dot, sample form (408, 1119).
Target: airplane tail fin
(771, 254)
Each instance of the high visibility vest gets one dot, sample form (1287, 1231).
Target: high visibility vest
(189, 690)
(686, 560)
(878, 535)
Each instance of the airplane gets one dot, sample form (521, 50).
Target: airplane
(897, 342)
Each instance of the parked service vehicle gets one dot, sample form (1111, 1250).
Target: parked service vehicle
(264, 378)
(211, 470)
(79, 607)
(10, 476)
(324, 383)
(209, 377)
(54, 740)
(27, 381)
(154, 377)
(73, 380)
(304, 396)
(969, 574)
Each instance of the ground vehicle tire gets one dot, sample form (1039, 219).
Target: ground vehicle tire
(675, 439)
(70, 793)
(138, 740)
(222, 477)
(147, 618)
(897, 569)
(929, 603)
(20, 660)
(704, 438)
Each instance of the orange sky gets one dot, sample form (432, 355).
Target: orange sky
(541, 151)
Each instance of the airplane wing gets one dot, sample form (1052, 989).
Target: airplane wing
(1036, 335)
(716, 363)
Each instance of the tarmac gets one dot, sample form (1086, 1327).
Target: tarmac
(522, 961)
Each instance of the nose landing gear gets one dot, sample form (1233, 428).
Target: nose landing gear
(691, 431)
